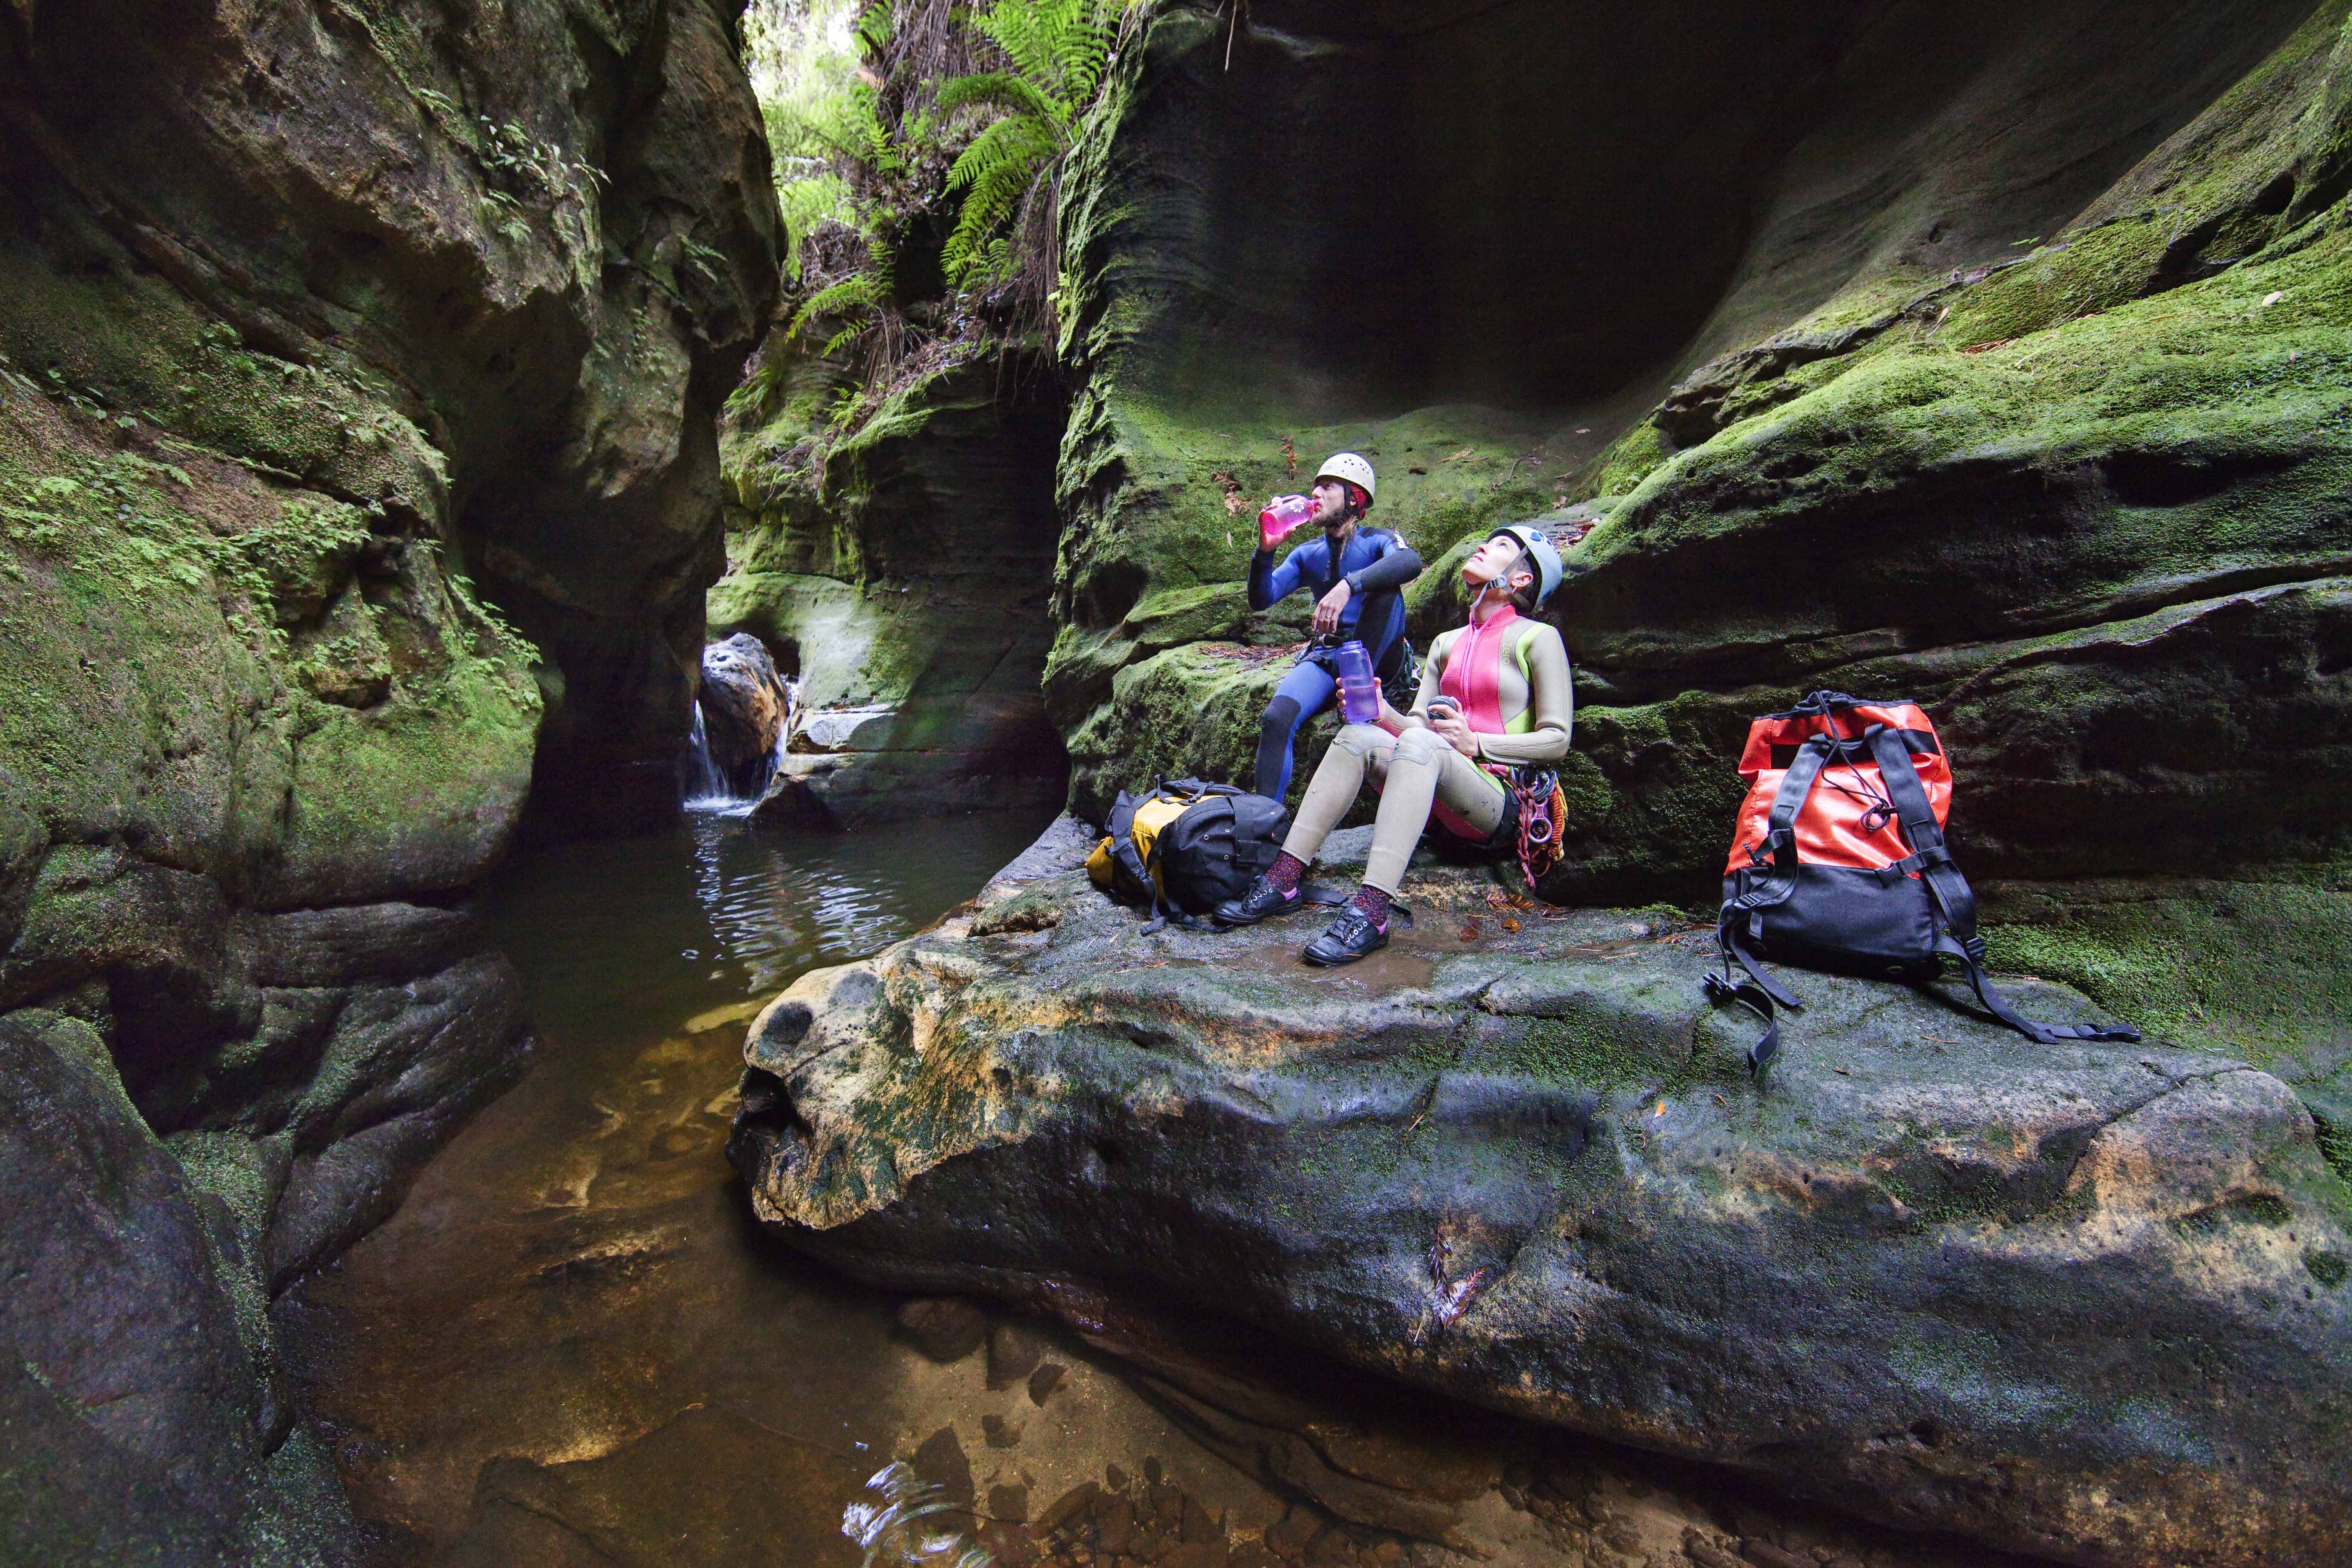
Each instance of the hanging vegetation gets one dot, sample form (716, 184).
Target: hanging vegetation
(918, 150)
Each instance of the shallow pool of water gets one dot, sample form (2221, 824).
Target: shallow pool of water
(572, 1345)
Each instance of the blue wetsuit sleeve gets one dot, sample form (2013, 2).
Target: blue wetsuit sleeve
(1269, 584)
(1396, 564)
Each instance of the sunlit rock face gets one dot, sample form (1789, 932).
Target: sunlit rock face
(320, 332)
(2086, 1302)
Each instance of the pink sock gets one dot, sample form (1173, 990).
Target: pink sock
(1284, 874)
(1373, 902)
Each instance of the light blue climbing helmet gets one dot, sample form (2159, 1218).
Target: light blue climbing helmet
(1539, 550)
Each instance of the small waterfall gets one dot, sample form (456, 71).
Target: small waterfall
(707, 785)
(910, 1525)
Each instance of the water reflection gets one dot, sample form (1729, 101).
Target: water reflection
(572, 1345)
(623, 940)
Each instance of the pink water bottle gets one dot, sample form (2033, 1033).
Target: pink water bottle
(1277, 520)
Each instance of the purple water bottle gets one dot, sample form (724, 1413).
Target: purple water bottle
(1359, 694)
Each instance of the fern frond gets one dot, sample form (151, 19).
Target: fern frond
(994, 173)
(1010, 149)
(858, 291)
(875, 25)
(808, 203)
(1000, 89)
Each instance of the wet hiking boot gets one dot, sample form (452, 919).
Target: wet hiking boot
(1261, 902)
(1352, 936)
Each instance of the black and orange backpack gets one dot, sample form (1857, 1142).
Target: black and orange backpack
(1838, 863)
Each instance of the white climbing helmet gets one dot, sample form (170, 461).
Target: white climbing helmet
(1349, 467)
(1541, 550)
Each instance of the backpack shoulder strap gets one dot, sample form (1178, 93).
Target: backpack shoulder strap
(1796, 786)
(1760, 890)
(1122, 828)
(1956, 902)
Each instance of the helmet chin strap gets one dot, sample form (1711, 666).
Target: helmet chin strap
(1500, 580)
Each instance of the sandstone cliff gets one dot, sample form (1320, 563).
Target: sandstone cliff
(318, 328)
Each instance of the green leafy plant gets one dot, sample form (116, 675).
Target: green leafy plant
(1058, 50)
(918, 148)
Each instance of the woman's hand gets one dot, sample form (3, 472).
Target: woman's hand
(1328, 608)
(1448, 722)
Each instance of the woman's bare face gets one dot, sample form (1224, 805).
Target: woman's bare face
(1490, 560)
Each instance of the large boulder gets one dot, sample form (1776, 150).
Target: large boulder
(746, 709)
(2086, 1302)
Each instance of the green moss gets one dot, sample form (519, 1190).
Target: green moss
(2252, 970)
(121, 341)
(161, 618)
(2082, 276)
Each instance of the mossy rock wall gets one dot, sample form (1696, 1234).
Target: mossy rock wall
(358, 379)
(905, 577)
(1988, 359)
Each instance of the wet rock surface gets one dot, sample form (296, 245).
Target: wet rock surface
(745, 708)
(909, 581)
(2085, 1303)
(638, 1376)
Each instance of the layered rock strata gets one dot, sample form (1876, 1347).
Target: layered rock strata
(1989, 362)
(2088, 1302)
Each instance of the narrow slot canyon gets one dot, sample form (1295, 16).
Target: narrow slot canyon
(578, 585)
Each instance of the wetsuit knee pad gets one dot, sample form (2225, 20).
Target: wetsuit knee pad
(1420, 746)
(1274, 733)
(1358, 738)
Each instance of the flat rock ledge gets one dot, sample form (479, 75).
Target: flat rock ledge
(2086, 1302)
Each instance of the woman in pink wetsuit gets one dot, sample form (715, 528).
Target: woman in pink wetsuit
(1494, 695)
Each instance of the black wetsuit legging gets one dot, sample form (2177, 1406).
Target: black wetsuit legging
(1314, 682)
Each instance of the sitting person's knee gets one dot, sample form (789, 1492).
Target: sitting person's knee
(1420, 746)
(1281, 719)
(1360, 739)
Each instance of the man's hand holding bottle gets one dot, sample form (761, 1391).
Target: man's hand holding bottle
(1283, 516)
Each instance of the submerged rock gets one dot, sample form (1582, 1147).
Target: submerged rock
(2084, 1301)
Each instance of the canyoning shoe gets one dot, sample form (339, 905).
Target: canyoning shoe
(1352, 936)
(1261, 902)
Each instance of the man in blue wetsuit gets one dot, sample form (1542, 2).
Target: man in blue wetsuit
(1356, 574)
